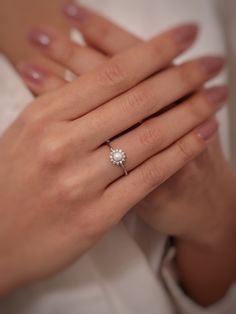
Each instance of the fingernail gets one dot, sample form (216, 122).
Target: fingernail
(217, 95)
(32, 73)
(207, 130)
(186, 33)
(40, 38)
(75, 11)
(212, 65)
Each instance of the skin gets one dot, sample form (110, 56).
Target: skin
(65, 156)
(192, 204)
(17, 17)
(188, 241)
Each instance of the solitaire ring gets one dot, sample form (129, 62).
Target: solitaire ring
(117, 157)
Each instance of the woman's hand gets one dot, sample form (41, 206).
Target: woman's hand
(17, 16)
(196, 204)
(59, 192)
(165, 205)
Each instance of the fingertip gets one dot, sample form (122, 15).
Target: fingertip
(217, 94)
(207, 130)
(32, 72)
(186, 33)
(40, 38)
(75, 11)
(212, 65)
(38, 79)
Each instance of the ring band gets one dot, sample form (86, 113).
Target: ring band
(117, 157)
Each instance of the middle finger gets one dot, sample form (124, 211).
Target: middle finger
(121, 73)
(158, 133)
(145, 100)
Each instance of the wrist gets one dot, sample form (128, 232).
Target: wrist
(216, 225)
(6, 284)
(205, 275)
(11, 275)
(206, 257)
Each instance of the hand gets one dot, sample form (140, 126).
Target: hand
(200, 212)
(59, 193)
(171, 208)
(17, 16)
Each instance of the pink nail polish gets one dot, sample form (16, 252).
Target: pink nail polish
(217, 95)
(75, 11)
(32, 73)
(40, 38)
(186, 33)
(212, 65)
(207, 130)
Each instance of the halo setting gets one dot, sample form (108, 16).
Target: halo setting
(117, 157)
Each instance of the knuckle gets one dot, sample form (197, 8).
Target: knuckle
(135, 101)
(152, 175)
(64, 190)
(185, 151)
(51, 152)
(150, 135)
(114, 74)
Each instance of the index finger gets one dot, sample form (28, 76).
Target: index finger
(99, 31)
(124, 71)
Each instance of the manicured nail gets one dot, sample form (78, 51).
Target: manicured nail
(212, 65)
(40, 38)
(75, 11)
(217, 95)
(186, 33)
(207, 130)
(32, 73)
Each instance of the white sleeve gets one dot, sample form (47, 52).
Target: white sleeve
(183, 303)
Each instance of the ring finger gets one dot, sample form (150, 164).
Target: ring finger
(158, 133)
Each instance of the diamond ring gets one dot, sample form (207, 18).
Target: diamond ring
(117, 157)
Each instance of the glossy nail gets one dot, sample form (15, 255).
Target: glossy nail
(186, 33)
(32, 73)
(207, 130)
(212, 65)
(75, 11)
(217, 95)
(40, 38)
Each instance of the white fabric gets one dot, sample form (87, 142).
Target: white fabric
(125, 273)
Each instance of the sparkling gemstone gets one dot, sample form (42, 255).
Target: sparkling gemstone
(117, 156)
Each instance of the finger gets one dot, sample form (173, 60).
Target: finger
(146, 99)
(123, 71)
(38, 79)
(61, 49)
(156, 134)
(128, 191)
(98, 31)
